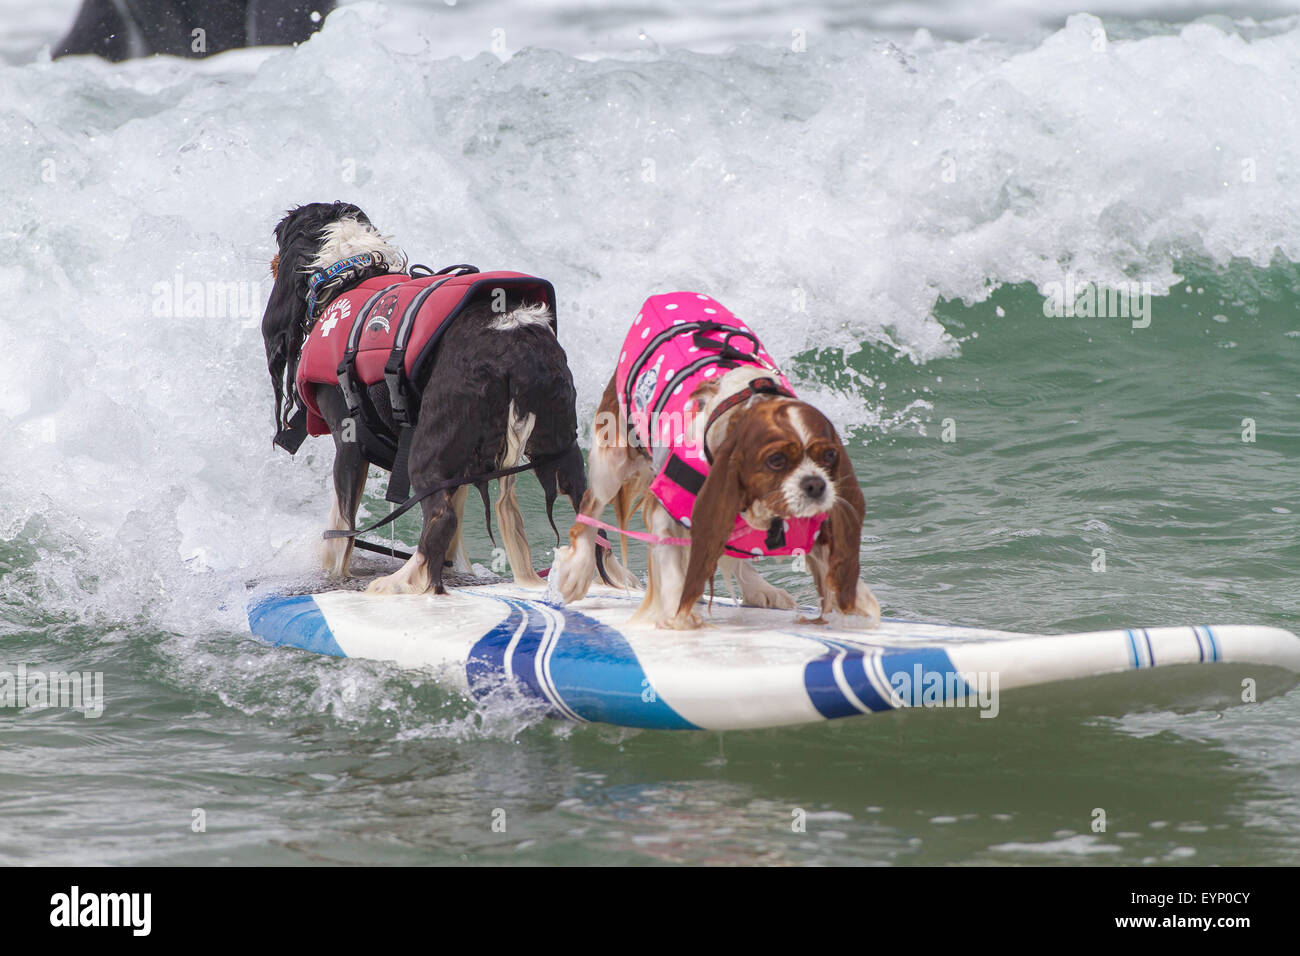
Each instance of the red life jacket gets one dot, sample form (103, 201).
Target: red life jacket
(388, 327)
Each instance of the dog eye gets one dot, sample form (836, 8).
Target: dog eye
(830, 457)
(776, 462)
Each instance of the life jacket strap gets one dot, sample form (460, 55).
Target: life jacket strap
(347, 370)
(399, 481)
(763, 385)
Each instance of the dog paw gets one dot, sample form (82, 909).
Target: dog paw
(571, 573)
(529, 579)
(411, 578)
(771, 596)
(387, 585)
(865, 613)
(689, 621)
(334, 557)
(619, 575)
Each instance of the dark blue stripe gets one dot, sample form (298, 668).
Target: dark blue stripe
(597, 675)
(855, 672)
(900, 668)
(1150, 653)
(823, 691)
(1199, 646)
(293, 622)
(593, 668)
(485, 666)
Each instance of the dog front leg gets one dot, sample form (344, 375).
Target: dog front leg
(423, 570)
(440, 525)
(574, 567)
(349, 482)
(832, 580)
(667, 577)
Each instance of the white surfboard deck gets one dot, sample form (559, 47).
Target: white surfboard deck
(755, 668)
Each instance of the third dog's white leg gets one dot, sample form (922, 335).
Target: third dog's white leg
(335, 553)
(754, 590)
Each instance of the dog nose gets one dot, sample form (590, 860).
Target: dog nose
(813, 486)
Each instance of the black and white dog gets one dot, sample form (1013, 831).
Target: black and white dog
(498, 387)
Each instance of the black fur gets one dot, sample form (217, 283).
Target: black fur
(464, 413)
(284, 324)
(466, 394)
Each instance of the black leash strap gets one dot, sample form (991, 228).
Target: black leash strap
(442, 486)
(381, 549)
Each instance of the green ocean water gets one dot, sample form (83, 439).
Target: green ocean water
(1070, 435)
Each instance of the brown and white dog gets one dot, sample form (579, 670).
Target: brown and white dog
(773, 457)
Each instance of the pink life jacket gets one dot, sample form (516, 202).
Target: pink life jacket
(387, 328)
(679, 340)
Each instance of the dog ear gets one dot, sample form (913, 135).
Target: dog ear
(284, 318)
(841, 533)
(278, 322)
(713, 516)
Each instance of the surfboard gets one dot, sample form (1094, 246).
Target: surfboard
(755, 668)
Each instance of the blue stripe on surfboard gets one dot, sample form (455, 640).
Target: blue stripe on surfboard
(593, 670)
(293, 622)
(1214, 647)
(824, 691)
(914, 674)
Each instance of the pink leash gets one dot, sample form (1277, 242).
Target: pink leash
(647, 537)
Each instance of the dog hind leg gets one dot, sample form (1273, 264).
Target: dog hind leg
(509, 517)
(456, 550)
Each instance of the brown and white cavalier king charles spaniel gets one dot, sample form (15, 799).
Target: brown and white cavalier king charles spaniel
(773, 457)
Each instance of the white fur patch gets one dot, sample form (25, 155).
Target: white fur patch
(799, 504)
(352, 237)
(539, 314)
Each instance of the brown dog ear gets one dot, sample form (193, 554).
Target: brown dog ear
(841, 532)
(713, 516)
